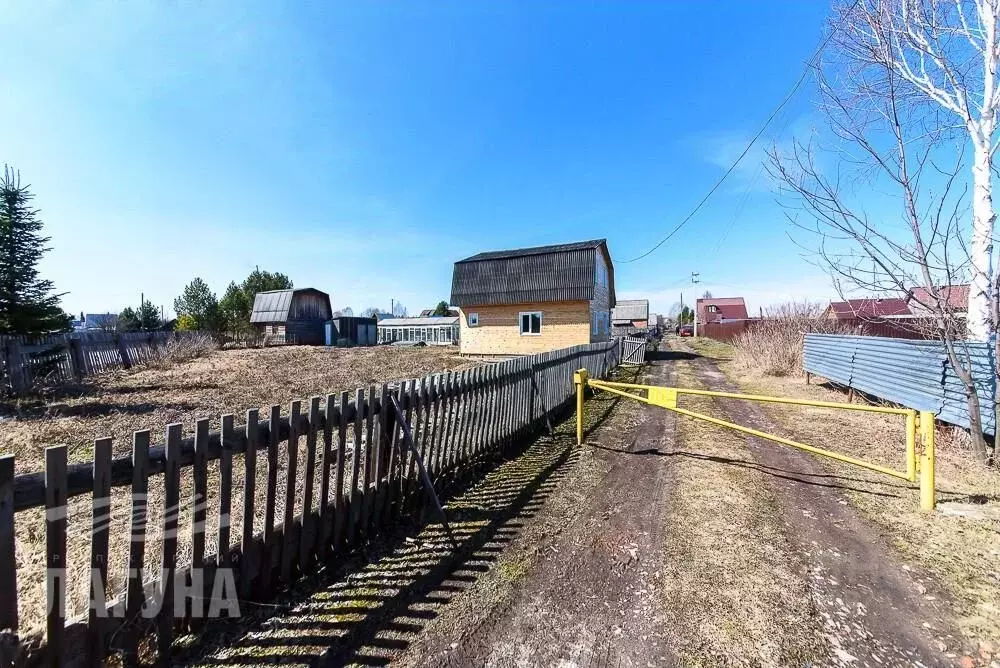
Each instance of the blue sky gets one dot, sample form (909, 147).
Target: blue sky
(362, 148)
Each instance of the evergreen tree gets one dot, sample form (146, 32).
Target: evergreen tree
(441, 309)
(27, 305)
(128, 320)
(199, 302)
(234, 309)
(149, 317)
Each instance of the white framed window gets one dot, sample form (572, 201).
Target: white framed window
(531, 323)
(712, 308)
(473, 320)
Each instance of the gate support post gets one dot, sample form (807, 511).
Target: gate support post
(580, 380)
(911, 446)
(927, 495)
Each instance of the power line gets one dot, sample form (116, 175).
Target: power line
(798, 83)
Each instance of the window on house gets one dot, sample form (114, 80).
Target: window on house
(473, 320)
(274, 329)
(712, 308)
(531, 323)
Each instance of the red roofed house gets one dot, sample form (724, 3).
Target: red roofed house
(715, 309)
(921, 302)
(867, 308)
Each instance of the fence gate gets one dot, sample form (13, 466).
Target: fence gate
(633, 350)
(667, 397)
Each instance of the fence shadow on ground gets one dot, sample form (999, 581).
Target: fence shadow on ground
(376, 604)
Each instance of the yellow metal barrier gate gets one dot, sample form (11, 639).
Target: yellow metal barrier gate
(666, 397)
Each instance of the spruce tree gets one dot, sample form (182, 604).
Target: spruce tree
(27, 304)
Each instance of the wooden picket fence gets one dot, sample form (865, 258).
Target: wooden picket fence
(69, 357)
(352, 483)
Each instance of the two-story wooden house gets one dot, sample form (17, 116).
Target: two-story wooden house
(532, 300)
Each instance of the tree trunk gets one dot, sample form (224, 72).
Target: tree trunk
(981, 256)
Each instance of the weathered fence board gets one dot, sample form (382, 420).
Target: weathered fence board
(61, 358)
(456, 422)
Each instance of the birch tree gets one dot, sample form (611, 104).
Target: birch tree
(908, 92)
(938, 60)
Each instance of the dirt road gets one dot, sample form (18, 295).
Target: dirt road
(700, 547)
(660, 542)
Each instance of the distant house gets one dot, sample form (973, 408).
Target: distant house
(429, 313)
(433, 330)
(629, 315)
(100, 321)
(292, 316)
(532, 300)
(921, 301)
(718, 309)
(874, 308)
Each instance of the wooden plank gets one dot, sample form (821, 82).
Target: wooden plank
(340, 513)
(168, 562)
(100, 531)
(248, 563)
(306, 540)
(421, 409)
(269, 547)
(356, 499)
(450, 409)
(465, 397)
(288, 544)
(384, 440)
(225, 494)
(134, 594)
(199, 494)
(325, 512)
(55, 551)
(400, 451)
(8, 561)
(434, 433)
(370, 452)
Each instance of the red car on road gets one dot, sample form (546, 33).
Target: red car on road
(686, 330)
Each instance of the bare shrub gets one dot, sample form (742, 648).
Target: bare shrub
(773, 346)
(183, 348)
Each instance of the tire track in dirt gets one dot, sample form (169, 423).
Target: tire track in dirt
(595, 601)
(872, 611)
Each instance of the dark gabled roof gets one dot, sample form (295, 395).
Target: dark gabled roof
(273, 305)
(563, 272)
(536, 250)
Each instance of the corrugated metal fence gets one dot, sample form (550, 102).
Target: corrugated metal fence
(915, 374)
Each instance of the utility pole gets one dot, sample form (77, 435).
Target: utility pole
(694, 281)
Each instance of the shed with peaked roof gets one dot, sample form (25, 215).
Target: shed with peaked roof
(630, 315)
(717, 309)
(531, 300)
(291, 316)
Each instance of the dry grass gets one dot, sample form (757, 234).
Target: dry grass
(773, 347)
(191, 346)
(733, 595)
(150, 398)
(961, 553)
(223, 381)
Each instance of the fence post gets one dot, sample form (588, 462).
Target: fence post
(927, 494)
(580, 380)
(15, 366)
(123, 351)
(76, 358)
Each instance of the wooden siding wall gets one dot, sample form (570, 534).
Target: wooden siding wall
(69, 357)
(499, 332)
(352, 486)
(601, 303)
(309, 306)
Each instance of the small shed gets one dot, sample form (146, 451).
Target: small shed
(291, 316)
(434, 331)
(350, 331)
